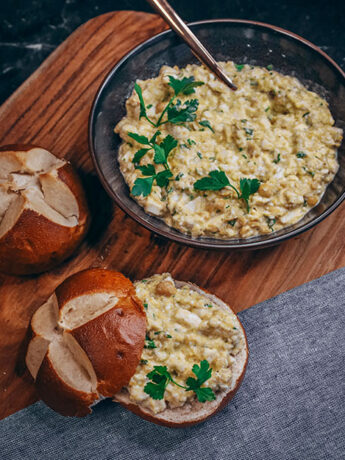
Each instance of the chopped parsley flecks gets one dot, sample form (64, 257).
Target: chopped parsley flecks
(277, 160)
(206, 124)
(271, 222)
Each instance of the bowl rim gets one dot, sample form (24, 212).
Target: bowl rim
(218, 244)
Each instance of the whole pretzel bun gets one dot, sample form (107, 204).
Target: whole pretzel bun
(43, 211)
(87, 340)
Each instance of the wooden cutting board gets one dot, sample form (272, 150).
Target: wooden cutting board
(51, 109)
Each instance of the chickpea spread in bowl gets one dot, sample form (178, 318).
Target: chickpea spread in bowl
(227, 164)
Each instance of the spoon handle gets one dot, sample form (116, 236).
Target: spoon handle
(175, 22)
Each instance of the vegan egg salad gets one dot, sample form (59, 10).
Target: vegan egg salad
(184, 329)
(227, 164)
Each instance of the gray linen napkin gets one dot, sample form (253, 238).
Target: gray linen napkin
(291, 404)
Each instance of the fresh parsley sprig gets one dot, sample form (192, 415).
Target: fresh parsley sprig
(161, 150)
(181, 113)
(143, 185)
(216, 180)
(160, 378)
(176, 113)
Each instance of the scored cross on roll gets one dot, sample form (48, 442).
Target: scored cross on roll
(167, 350)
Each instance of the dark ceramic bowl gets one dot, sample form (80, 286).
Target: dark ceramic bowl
(242, 42)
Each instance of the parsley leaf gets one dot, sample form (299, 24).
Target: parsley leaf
(147, 170)
(179, 113)
(203, 373)
(168, 144)
(162, 178)
(248, 187)
(160, 378)
(206, 124)
(204, 394)
(269, 67)
(140, 139)
(142, 186)
(301, 155)
(239, 67)
(215, 180)
(143, 113)
(141, 100)
(139, 154)
(162, 151)
(159, 157)
(184, 85)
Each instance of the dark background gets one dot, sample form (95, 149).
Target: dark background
(31, 29)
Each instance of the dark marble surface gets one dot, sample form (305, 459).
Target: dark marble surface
(31, 29)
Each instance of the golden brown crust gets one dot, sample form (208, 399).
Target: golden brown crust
(93, 280)
(59, 396)
(122, 329)
(34, 243)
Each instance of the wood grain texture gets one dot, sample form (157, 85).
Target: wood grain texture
(51, 109)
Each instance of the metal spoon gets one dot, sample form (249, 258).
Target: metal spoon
(175, 22)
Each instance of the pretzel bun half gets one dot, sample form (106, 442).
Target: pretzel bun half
(87, 340)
